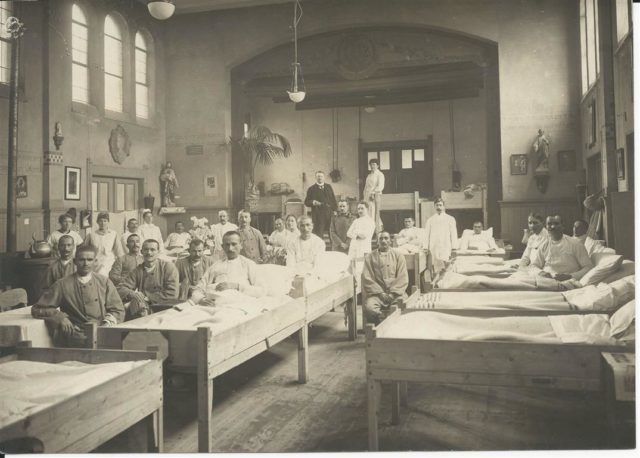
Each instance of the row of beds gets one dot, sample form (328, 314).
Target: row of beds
(71, 400)
(488, 337)
(392, 354)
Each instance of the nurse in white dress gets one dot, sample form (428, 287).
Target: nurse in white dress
(372, 193)
(360, 232)
(149, 231)
(441, 235)
(107, 244)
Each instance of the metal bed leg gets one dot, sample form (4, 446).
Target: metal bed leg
(373, 393)
(352, 317)
(303, 354)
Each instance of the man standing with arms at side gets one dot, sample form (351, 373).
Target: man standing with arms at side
(322, 200)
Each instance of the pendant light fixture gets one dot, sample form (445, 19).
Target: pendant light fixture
(297, 92)
(161, 9)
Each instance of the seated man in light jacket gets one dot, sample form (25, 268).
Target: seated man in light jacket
(560, 257)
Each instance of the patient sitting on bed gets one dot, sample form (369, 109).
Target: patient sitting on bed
(77, 299)
(478, 240)
(303, 251)
(384, 279)
(560, 257)
(234, 273)
(410, 239)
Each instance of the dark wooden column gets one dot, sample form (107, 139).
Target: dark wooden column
(16, 29)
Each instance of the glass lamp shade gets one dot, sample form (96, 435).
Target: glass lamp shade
(161, 9)
(297, 97)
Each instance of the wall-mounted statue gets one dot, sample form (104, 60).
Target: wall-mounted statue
(168, 185)
(541, 150)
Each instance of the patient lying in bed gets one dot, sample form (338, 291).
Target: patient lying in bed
(601, 298)
(409, 240)
(618, 329)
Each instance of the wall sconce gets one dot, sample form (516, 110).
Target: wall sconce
(161, 9)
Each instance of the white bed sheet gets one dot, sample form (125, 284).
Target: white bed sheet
(27, 387)
(587, 329)
(18, 325)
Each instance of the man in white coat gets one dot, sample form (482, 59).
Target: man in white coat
(441, 235)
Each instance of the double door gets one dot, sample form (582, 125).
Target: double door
(407, 167)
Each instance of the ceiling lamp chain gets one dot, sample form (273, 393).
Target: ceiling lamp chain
(298, 91)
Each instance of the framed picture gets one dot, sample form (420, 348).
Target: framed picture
(210, 185)
(72, 183)
(519, 164)
(620, 166)
(567, 161)
(21, 186)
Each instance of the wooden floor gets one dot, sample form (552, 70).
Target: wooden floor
(259, 407)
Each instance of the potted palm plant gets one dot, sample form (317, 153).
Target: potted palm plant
(260, 146)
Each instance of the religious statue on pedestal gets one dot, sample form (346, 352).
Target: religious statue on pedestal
(168, 186)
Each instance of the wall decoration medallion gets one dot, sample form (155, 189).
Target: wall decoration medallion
(119, 144)
(356, 57)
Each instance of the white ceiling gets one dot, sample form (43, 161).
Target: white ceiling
(197, 6)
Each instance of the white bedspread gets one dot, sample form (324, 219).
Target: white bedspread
(519, 281)
(442, 326)
(219, 317)
(459, 259)
(27, 387)
(18, 325)
(587, 329)
(499, 251)
(492, 300)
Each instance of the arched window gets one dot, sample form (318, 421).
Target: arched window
(142, 76)
(113, 73)
(79, 55)
(5, 45)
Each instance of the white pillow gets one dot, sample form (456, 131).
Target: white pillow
(623, 318)
(624, 289)
(593, 245)
(331, 262)
(276, 280)
(627, 268)
(605, 264)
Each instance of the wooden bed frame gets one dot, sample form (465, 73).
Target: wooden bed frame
(485, 363)
(326, 299)
(199, 351)
(83, 422)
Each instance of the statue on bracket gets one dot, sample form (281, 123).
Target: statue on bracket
(168, 185)
(540, 148)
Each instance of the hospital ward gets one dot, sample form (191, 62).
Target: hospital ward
(294, 226)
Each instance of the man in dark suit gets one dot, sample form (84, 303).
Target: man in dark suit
(322, 200)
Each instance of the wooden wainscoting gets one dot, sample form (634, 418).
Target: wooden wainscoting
(29, 221)
(513, 215)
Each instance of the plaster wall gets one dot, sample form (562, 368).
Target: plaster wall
(538, 52)
(319, 136)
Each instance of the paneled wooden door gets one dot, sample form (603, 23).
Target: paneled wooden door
(407, 167)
